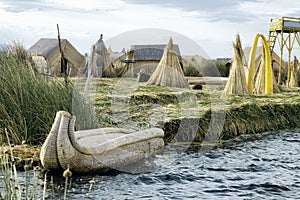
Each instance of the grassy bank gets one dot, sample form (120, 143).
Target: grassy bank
(193, 115)
(244, 115)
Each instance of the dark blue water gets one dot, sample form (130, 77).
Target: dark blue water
(267, 168)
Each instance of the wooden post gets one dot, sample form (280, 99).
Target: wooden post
(281, 61)
(63, 65)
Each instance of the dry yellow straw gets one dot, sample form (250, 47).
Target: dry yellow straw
(169, 72)
(294, 78)
(236, 83)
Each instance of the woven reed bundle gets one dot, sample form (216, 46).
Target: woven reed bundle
(169, 72)
(96, 149)
(102, 65)
(108, 139)
(48, 153)
(236, 83)
(294, 73)
(99, 155)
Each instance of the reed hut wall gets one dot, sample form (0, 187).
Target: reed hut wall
(49, 49)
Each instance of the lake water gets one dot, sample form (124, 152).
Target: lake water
(267, 168)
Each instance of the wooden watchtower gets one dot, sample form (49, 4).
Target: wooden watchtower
(284, 31)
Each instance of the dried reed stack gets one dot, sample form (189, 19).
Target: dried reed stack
(102, 65)
(259, 78)
(127, 69)
(260, 75)
(294, 73)
(236, 83)
(169, 72)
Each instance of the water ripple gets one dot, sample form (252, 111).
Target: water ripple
(268, 168)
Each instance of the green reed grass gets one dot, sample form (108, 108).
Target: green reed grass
(10, 184)
(29, 102)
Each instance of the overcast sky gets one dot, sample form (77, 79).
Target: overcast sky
(210, 24)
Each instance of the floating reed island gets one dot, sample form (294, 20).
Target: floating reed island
(194, 115)
(248, 102)
(256, 97)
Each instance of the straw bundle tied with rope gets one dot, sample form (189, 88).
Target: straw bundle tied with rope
(294, 73)
(169, 71)
(236, 83)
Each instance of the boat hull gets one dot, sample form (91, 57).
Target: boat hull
(97, 150)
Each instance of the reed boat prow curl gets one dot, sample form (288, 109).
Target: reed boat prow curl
(96, 150)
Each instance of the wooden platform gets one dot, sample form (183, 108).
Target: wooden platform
(285, 24)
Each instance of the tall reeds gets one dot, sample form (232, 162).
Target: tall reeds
(28, 101)
(14, 185)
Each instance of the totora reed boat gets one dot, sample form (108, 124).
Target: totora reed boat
(96, 150)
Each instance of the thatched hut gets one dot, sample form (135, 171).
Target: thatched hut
(169, 71)
(46, 54)
(102, 65)
(236, 83)
(275, 62)
(146, 54)
(146, 58)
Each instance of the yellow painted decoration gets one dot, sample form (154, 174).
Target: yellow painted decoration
(268, 67)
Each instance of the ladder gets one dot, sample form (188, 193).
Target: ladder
(272, 40)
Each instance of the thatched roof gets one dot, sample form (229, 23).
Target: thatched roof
(49, 49)
(152, 52)
(169, 71)
(259, 51)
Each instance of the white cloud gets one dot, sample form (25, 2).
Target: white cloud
(271, 8)
(213, 24)
(86, 5)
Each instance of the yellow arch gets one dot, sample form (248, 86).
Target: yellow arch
(268, 67)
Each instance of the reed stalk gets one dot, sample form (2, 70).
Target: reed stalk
(28, 101)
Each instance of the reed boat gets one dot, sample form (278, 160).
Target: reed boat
(96, 150)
